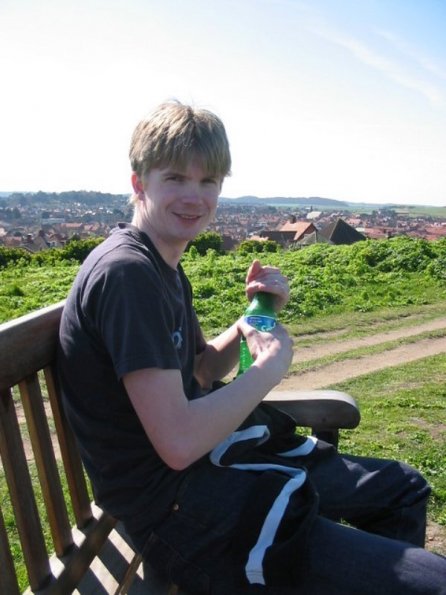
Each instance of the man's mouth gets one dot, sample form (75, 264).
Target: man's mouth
(188, 217)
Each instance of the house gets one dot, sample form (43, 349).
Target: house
(316, 237)
(34, 243)
(299, 228)
(339, 232)
(434, 232)
(378, 233)
(284, 238)
(228, 242)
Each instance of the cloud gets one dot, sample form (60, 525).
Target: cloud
(408, 50)
(404, 75)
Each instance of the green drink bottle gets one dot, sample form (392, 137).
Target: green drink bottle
(261, 315)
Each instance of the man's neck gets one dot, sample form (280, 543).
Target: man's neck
(171, 254)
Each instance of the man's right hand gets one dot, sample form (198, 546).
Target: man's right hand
(272, 350)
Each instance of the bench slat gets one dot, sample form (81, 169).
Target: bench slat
(74, 471)
(70, 569)
(36, 331)
(40, 436)
(22, 495)
(8, 580)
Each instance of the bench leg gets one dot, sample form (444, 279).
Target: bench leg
(330, 436)
(127, 580)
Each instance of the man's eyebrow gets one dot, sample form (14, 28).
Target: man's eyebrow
(173, 170)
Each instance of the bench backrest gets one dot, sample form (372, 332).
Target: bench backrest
(29, 398)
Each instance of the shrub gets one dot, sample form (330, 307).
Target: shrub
(79, 249)
(258, 247)
(208, 240)
(13, 256)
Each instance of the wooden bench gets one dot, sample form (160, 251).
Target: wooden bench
(95, 555)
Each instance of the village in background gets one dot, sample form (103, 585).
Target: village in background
(38, 221)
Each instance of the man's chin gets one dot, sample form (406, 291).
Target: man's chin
(192, 231)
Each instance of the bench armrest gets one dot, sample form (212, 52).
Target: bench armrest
(317, 409)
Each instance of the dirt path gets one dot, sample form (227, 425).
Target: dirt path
(350, 368)
(335, 344)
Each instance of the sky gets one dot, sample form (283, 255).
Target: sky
(343, 99)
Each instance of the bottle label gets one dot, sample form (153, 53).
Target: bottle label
(260, 322)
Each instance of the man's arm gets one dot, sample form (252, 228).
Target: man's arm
(183, 431)
(218, 358)
(222, 353)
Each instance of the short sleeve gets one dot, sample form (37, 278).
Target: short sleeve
(133, 319)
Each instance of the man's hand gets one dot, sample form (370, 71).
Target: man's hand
(272, 350)
(270, 280)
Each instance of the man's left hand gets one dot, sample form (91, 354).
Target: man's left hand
(270, 280)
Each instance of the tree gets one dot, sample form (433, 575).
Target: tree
(206, 241)
(79, 249)
(258, 246)
(13, 255)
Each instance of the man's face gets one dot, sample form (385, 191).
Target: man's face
(178, 204)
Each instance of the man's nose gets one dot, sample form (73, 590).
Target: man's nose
(191, 193)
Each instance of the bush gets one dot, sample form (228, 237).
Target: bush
(208, 240)
(79, 249)
(75, 250)
(258, 247)
(13, 256)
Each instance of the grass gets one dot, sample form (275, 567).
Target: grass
(24, 289)
(403, 413)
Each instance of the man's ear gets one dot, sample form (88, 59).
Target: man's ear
(138, 187)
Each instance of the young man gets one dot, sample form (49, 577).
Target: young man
(215, 489)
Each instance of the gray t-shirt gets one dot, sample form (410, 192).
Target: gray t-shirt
(127, 310)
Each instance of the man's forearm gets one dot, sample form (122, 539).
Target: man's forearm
(219, 358)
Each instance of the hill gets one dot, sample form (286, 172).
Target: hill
(311, 201)
(96, 197)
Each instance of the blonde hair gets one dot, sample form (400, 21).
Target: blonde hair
(175, 133)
